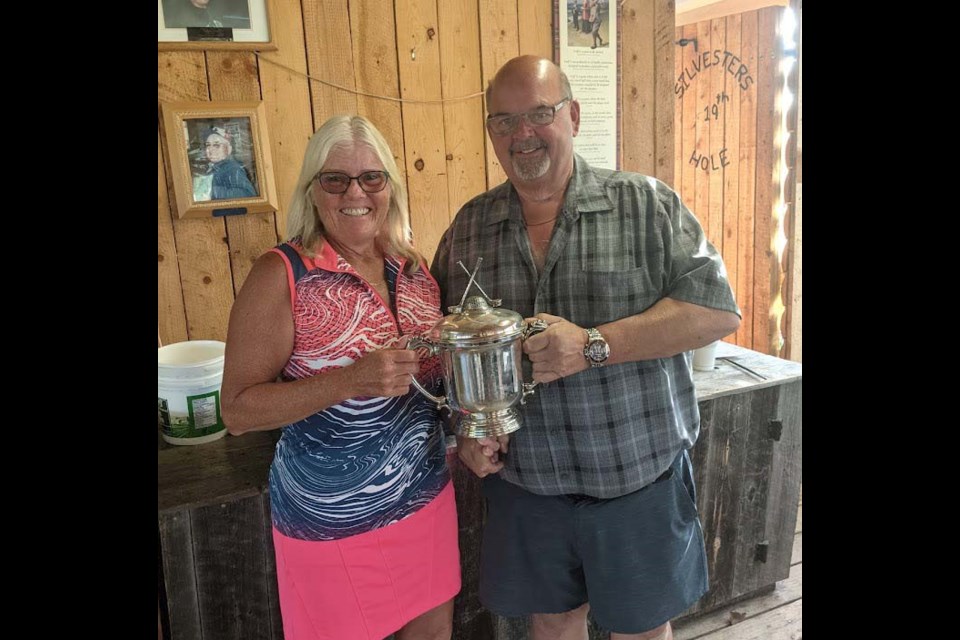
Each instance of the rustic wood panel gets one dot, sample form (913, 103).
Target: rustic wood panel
(766, 266)
(729, 157)
(286, 95)
(731, 143)
(171, 319)
(701, 202)
(747, 179)
(678, 158)
(638, 98)
(782, 623)
(275, 623)
(419, 65)
(535, 24)
(499, 42)
(377, 72)
(688, 135)
(757, 547)
(231, 570)
(325, 25)
(786, 592)
(233, 75)
(201, 243)
(182, 601)
(716, 76)
(462, 119)
(663, 55)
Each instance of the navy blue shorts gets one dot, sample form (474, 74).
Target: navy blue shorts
(638, 559)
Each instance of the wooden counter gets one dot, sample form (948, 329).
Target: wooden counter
(213, 512)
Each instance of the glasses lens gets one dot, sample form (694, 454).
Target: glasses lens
(373, 181)
(540, 117)
(502, 125)
(334, 182)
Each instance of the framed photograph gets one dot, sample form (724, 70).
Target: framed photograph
(214, 24)
(218, 156)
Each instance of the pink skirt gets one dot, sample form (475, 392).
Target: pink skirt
(368, 586)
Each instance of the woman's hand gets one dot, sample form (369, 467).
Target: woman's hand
(482, 455)
(385, 372)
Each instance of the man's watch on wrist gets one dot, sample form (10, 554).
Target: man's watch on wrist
(597, 350)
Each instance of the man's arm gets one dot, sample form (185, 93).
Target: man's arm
(667, 328)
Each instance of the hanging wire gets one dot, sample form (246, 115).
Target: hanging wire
(363, 93)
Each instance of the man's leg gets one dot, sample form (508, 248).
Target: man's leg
(569, 625)
(663, 632)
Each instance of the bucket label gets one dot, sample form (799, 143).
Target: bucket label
(201, 418)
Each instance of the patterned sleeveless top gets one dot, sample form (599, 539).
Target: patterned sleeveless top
(367, 462)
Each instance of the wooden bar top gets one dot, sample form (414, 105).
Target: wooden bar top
(236, 466)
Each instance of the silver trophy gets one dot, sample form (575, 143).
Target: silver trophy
(480, 346)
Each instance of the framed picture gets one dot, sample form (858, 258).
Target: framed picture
(214, 24)
(218, 156)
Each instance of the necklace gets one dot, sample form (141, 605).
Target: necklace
(537, 224)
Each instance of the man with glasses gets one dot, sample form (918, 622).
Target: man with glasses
(591, 504)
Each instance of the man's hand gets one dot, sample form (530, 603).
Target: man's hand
(482, 455)
(558, 351)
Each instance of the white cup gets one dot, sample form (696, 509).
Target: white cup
(705, 357)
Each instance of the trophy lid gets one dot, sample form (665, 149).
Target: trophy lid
(477, 322)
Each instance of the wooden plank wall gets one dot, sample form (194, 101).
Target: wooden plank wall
(726, 155)
(417, 51)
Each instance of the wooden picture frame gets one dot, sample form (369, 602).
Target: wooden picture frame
(218, 157)
(218, 24)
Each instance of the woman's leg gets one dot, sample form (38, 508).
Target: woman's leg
(435, 624)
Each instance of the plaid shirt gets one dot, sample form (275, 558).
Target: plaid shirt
(622, 242)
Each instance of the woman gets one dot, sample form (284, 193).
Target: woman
(364, 520)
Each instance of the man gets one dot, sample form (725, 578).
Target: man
(590, 506)
(232, 14)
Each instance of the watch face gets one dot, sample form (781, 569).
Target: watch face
(597, 351)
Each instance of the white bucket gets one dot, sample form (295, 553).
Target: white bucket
(188, 391)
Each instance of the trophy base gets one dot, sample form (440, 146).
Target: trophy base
(488, 425)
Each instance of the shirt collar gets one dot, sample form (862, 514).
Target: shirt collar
(585, 194)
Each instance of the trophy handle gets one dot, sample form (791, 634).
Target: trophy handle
(531, 329)
(413, 344)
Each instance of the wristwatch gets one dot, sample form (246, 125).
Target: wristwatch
(597, 350)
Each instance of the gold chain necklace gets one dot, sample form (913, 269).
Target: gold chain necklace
(537, 224)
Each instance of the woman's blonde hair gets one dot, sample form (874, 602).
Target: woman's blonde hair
(303, 220)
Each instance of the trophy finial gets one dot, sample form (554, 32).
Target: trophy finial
(494, 302)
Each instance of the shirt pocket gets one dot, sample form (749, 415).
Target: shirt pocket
(612, 295)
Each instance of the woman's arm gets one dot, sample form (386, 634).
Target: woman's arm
(259, 344)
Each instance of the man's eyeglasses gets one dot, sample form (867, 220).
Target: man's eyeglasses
(539, 117)
(369, 181)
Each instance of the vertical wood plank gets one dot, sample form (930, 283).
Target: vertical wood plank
(535, 23)
(715, 73)
(424, 145)
(375, 59)
(754, 497)
(286, 97)
(663, 55)
(638, 95)
(747, 179)
(702, 177)
(462, 119)
(326, 23)
(231, 571)
(796, 278)
(678, 157)
(233, 75)
(766, 266)
(270, 569)
(499, 42)
(688, 135)
(201, 242)
(171, 318)
(786, 474)
(731, 173)
(176, 543)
